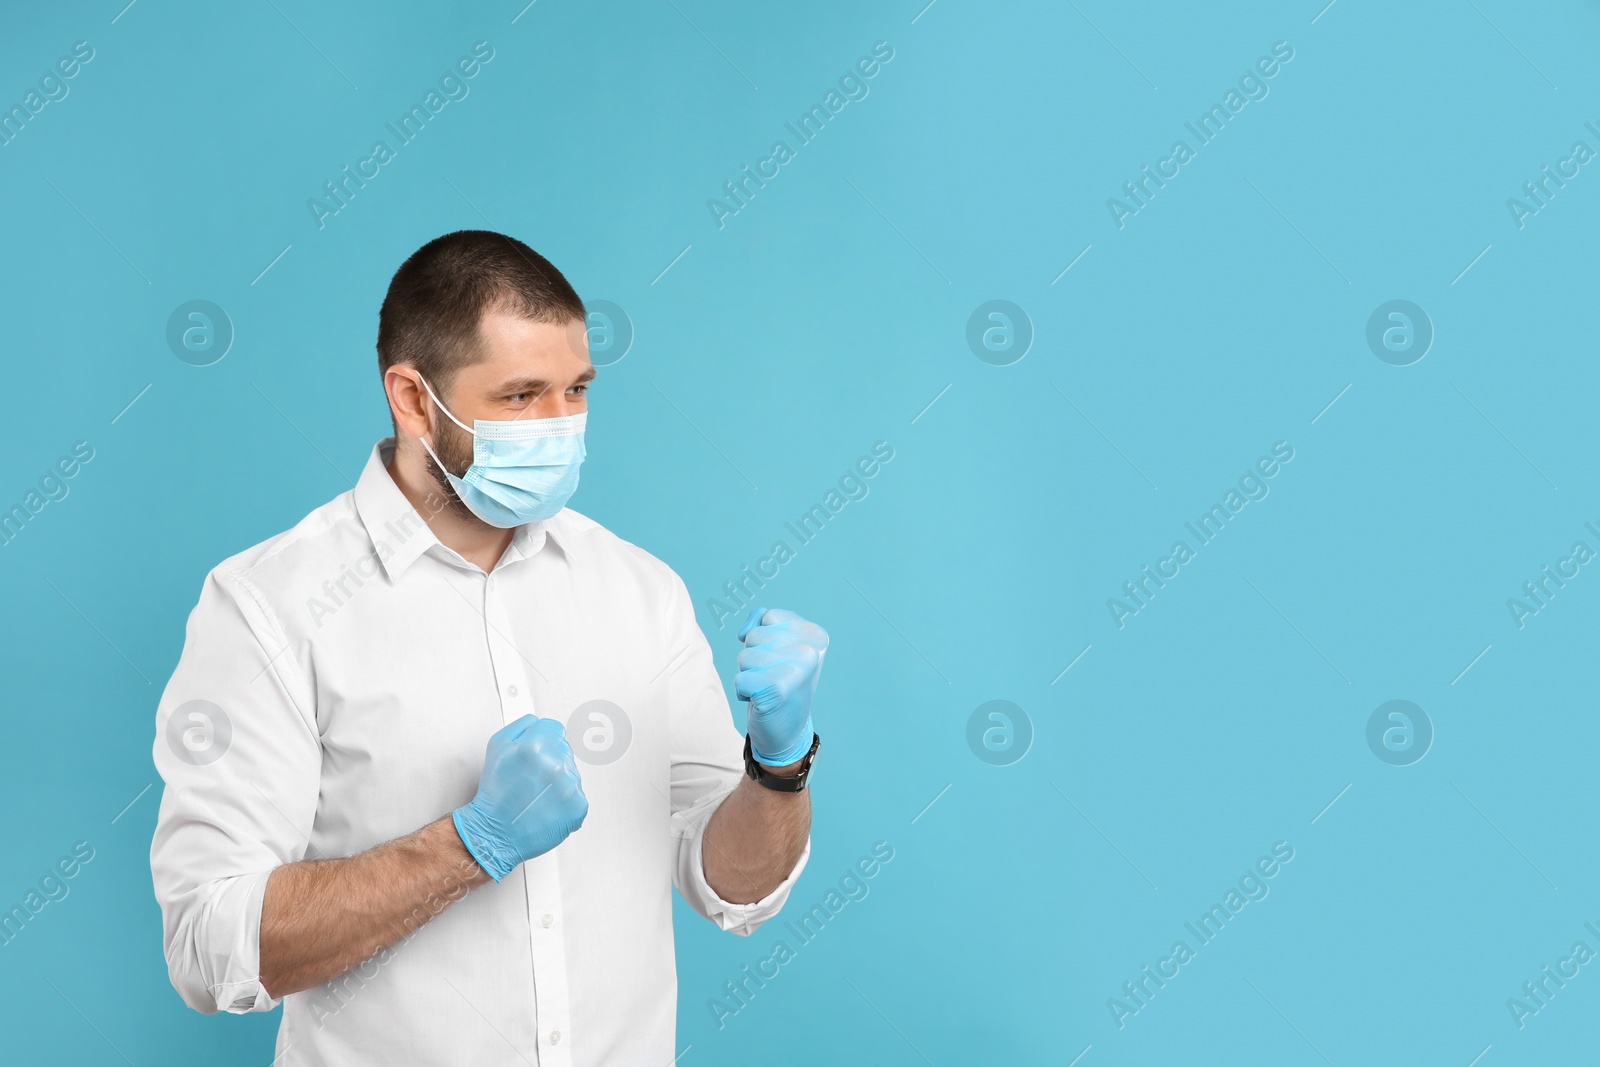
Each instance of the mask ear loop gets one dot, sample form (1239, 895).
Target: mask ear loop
(431, 454)
(451, 417)
(442, 408)
(434, 457)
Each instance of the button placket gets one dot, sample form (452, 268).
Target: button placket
(547, 942)
(541, 875)
(516, 698)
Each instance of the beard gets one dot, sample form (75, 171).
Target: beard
(454, 447)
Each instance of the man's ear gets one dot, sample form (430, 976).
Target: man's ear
(408, 402)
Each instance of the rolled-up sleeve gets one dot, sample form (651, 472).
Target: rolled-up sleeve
(236, 745)
(707, 762)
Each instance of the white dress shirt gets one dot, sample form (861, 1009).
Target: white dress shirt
(337, 687)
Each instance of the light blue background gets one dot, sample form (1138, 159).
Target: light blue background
(824, 317)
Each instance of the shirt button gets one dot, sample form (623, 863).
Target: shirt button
(555, 1037)
(491, 585)
(511, 690)
(547, 920)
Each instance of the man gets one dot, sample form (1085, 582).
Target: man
(434, 756)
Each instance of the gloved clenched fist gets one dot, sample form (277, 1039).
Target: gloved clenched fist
(529, 798)
(778, 671)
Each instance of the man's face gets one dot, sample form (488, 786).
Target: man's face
(532, 370)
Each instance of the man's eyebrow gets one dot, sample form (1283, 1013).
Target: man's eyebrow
(539, 385)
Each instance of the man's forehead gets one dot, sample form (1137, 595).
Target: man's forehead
(508, 324)
(524, 352)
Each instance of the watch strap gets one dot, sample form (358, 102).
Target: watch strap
(781, 783)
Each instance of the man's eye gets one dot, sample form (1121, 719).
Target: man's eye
(520, 398)
(578, 390)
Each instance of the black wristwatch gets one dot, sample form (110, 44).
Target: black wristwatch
(782, 783)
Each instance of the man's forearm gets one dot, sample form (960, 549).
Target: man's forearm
(754, 839)
(320, 918)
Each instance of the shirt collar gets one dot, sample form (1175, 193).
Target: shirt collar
(400, 535)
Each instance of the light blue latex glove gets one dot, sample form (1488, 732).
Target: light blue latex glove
(529, 797)
(778, 672)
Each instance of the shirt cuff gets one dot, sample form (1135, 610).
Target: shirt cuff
(215, 959)
(741, 919)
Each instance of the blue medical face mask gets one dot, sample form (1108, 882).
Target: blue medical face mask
(523, 470)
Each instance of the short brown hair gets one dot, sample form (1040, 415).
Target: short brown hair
(437, 298)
